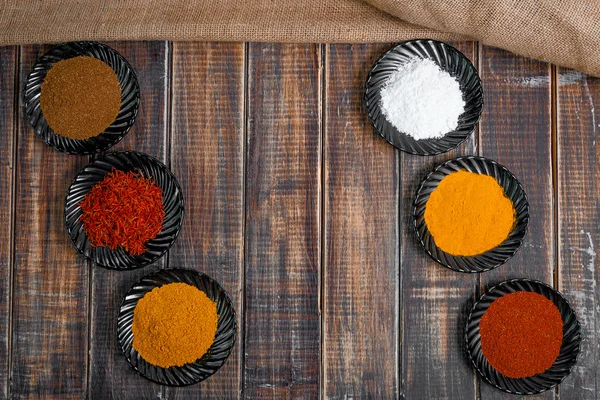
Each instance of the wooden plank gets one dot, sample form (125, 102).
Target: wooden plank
(516, 131)
(361, 237)
(50, 294)
(109, 371)
(579, 213)
(435, 300)
(282, 222)
(207, 156)
(8, 110)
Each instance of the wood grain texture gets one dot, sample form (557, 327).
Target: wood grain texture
(516, 131)
(8, 112)
(579, 216)
(435, 299)
(361, 237)
(110, 375)
(208, 159)
(50, 294)
(282, 222)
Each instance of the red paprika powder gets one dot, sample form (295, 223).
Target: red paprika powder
(521, 334)
(124, 209)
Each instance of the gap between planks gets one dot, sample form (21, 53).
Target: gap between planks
(321, 206)
(242, 289)
(13, 216)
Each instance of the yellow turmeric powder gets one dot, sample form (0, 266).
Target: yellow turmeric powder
(469, 214)
(174, 324)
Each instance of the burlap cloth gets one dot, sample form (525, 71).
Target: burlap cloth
(565, 32)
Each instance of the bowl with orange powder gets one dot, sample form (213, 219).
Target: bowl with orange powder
(471, 214)
(81, 97)
(523, 337)
(124, 210)
(176, 327)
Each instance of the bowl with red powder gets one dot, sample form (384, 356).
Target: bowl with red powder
(471, 214)
(523, 337)
(167, 299)
(124, 210)
(81, 97)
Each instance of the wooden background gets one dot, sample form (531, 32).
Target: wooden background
(303, 214)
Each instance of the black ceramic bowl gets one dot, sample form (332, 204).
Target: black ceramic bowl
(130, 97)
(216, 355)
(513, 190)
(94, 173)
(448, 59)
(568, 351)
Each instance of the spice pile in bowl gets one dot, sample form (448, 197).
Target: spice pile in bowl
(469, 214)
(80, 97)
(422, 100)
(124, 209)
(174, 324)
(521, 334)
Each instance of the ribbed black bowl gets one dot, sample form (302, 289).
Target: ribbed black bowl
(569, 349)
(95, 173)
(200, 369)
(448, 59)
(513, 190)
(130, 97)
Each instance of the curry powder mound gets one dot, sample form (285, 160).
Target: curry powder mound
(174, 324)
(469, 214)
(80, 97)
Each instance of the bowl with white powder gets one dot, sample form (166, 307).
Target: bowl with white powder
(424, 97)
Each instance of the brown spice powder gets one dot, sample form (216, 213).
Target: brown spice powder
(174, 325)
(80, 97)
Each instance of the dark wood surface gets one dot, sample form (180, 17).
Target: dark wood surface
(516, 131)
(8, 120)
(282, 246)
(50, 293)
(361, 239)
(434, 300)
(207, 156)
(303, 214)
(149, 134)
(578, 201)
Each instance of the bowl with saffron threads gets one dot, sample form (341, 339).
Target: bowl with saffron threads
(471, 214)
(149, 311)
(523, 337)
(434, 116)
(81, 97)
(124, 210)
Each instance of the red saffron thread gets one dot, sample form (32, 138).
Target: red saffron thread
(124, 209)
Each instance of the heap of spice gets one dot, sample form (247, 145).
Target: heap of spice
(174, 325)
(80, 97)
(124, 209)
(422, 100)
(469, 214)
(521, 334)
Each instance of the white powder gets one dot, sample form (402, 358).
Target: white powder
(421, 100)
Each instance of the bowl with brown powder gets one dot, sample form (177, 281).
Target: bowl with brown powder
(523, 337)
(81, 97)
(471, 214)
(176, 327)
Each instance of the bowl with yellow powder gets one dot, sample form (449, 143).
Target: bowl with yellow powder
(176, 327)
(81, 97)
(471, 214)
